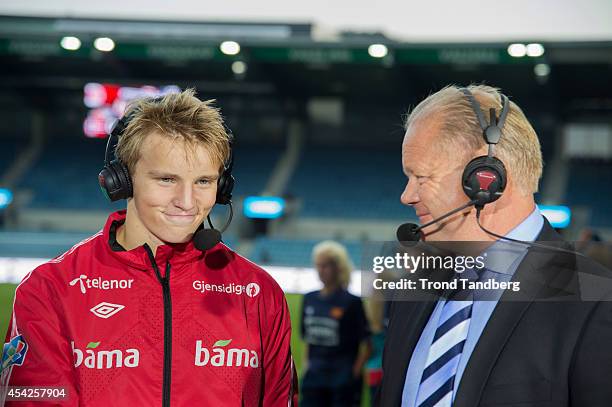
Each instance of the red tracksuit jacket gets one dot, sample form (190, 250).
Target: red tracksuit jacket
(124, 328)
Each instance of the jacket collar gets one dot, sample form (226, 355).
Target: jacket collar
(544, 274)
(176, 254)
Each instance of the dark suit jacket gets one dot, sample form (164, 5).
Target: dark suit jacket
(546, 347)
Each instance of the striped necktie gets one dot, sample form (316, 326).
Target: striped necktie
(436, 387)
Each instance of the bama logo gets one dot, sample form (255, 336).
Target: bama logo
(251, 289)
(99, 284)
(104, 359)
(220, 356)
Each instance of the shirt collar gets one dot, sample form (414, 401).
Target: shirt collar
(503, 256)
(529, 229)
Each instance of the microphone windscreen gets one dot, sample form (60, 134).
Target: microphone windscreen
(205, 239)
(409, 233)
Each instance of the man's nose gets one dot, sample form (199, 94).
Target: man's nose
(410, 195)
(184, 198)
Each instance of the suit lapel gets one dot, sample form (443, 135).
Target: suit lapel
(509, 311)
(494, 337)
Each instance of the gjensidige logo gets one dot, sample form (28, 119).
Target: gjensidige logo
(219, 355)
(251, 289)
(104, 359)
(99, 283)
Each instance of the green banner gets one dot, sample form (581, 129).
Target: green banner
(314, 54)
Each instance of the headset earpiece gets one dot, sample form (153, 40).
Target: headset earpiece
(484, 178)
(225, 184)
(114, 179)
(225, 187)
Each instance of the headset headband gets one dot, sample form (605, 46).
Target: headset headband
(492, 130)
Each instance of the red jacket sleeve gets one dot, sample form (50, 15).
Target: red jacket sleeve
(37, 353)
(280, 376)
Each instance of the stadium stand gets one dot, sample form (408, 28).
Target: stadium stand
(589, 185)
(252, 167)
(37, 244)
(349, 183)
(295, 252)
(72, 185)
(10, 148)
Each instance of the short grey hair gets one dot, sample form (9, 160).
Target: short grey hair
(519, 148)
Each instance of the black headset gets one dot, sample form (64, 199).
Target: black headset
(115, 180)
(484, 178)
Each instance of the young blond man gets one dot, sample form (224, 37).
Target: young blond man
(136, 314)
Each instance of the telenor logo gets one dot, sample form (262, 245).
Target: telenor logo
(220, 356)
(106, 309)
(104, 359)
(251, 289)
(100, 284)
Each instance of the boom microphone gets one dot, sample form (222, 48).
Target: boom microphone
(205, 239)
(411, 232)
(408, 233)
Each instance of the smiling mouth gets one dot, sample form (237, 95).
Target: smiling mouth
(180, 219)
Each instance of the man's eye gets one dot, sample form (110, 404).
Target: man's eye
(204, 182)
(166, 180)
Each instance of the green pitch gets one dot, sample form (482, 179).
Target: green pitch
(7, 291)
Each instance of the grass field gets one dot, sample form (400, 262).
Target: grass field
(293, 300)
(6, 306)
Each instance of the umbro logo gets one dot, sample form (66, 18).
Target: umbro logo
(106, 310)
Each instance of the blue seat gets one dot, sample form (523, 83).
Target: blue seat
(10, 147)
(589, 185)
(345, 183)
(295, 252)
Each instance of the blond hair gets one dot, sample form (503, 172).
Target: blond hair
(180, 116)
(518, 148)
(338, 254)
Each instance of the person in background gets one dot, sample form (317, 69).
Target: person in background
(377, 315)
(336, 332)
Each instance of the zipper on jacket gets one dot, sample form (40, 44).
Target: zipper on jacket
(165, 283)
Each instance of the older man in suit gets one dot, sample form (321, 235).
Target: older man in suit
(543, 346)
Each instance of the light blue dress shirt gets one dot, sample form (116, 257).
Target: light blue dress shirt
(500, 267)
